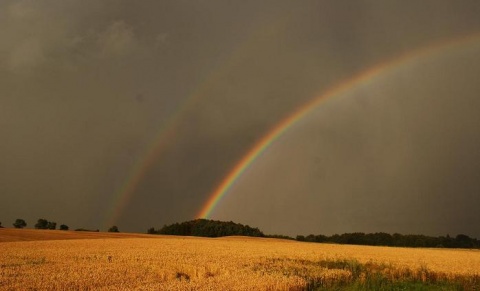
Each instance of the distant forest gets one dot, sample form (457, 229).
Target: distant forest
(396, 240)
(214, 228)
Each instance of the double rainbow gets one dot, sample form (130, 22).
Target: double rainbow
(155, 148)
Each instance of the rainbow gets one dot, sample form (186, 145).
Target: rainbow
(168, 129)
(339, 89)
(140, 167)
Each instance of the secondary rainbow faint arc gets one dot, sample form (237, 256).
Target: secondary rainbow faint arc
(363, 77)
(165, 133)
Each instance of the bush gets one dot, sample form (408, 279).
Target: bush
(90, 230)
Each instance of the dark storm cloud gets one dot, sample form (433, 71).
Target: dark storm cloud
(397, 154)
(86, 86)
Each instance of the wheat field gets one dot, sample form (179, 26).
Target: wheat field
(152, 262)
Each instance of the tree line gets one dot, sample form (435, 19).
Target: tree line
(207, 228)
(395, 240)
(41, 224)
(45, 224)
(214, 228)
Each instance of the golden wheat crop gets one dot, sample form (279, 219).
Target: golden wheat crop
(186, 263)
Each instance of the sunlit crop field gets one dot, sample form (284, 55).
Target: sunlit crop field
(232, 263)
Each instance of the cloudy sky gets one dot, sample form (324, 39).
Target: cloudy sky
(132, 113)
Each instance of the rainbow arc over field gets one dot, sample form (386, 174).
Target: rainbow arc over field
(166, 132)
(337, 90)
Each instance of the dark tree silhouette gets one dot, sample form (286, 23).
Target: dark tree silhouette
(151, 230)
(41, 224)
(301, 238)
(19, 223)
(208, 228)
(45, 224)
(63, 227)
(113, 229)
(399, 240)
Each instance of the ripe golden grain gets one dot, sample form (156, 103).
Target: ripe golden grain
(188, 263)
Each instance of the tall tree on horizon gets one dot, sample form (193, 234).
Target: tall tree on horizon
(19, 223)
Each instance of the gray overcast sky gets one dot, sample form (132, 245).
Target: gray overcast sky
(86, 87)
